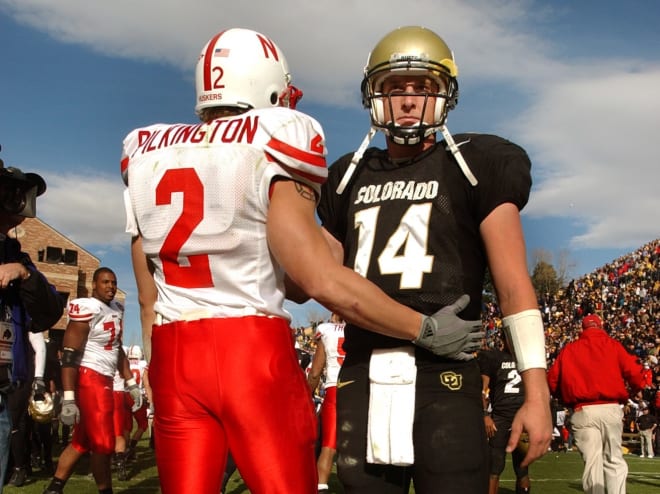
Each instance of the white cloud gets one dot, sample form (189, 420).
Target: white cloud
(592, 133)
(85, 209)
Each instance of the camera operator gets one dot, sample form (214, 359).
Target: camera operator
(28, 303)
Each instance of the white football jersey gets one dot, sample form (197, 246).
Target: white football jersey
(199, 196)
(137, 369)
(332, 336)
(105, 331)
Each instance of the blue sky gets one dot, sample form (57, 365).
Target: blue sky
(574, 82)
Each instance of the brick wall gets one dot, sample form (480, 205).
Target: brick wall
(74, 279)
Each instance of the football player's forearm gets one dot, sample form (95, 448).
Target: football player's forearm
(536, 385)
(362, 303)
(147, 323)
(147, 292)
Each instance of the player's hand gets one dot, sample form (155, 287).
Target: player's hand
(134, 390)
(533, 417)
(491, 428)
(447, 335)
(39, 387)
(70, 414)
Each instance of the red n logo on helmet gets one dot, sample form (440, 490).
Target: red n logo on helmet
(268, 46)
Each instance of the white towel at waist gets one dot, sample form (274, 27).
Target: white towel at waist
(392, 376)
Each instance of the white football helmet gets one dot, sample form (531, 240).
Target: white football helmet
(135, 353)
(411, 50)
(41, 411)
(245, 69)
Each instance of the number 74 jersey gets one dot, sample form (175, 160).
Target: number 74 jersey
(199, 196)
(105, 332)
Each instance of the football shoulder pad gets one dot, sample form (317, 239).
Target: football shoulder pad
(297, 143)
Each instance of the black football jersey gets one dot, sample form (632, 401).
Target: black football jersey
(413, 227)
(506, 390)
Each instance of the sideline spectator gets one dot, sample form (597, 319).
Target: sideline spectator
(590, 375)
(646, 423)
(30, 304)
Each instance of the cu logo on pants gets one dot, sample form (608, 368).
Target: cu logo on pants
(451, 380)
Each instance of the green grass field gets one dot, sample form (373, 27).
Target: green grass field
(555, 473)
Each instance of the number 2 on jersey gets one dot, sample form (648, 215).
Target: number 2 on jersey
(197, 274)
(410, 238)
(513, 380)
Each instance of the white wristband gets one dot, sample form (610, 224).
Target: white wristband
(130, 382)
(526, 338)
(69, 395)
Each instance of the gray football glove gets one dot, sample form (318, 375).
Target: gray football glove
(447, 335)
(136, 395)
(70, 414)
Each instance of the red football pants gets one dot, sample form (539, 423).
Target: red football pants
(122, 414)
(231, 384)
(95, 432)
(329, 418)
(140, 416)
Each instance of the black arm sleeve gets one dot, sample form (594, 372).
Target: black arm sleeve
(40, 299)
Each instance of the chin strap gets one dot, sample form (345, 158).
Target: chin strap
(357, 156)
(451, 145)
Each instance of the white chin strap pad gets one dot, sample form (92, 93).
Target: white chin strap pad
(526, 338)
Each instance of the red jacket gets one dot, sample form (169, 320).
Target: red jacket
(647, 376)
(594, 369)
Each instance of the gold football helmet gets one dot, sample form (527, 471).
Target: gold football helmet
(410, 50)
(523, 443)
(42, 410)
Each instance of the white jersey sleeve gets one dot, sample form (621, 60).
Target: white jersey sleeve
(199, 197)
(131, 222)
(332, 337)
(296, 149)
(105, 332)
